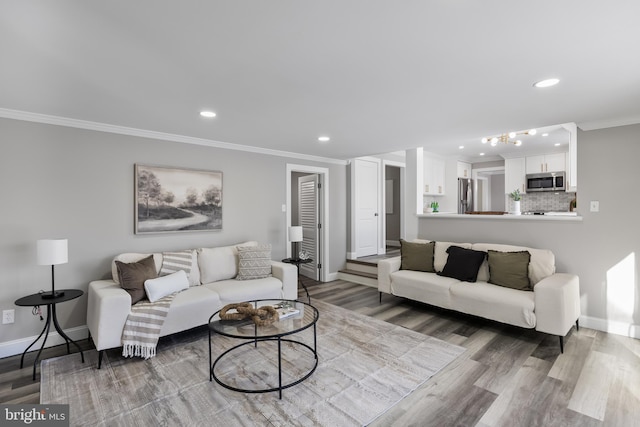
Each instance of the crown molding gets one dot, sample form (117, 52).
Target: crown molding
(143, 133)
(612, 123)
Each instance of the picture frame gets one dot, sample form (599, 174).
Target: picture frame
(169, 200)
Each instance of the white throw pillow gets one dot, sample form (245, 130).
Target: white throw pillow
(166, 285)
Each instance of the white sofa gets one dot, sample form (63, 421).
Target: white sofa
(212, 286)
(552, 307)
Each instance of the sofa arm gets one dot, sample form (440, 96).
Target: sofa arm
(385, 268)
(107, 309)
(557, 303)
(288, 275)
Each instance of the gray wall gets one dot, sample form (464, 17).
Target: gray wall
(497, 192)
(59, 182)
(602, 249)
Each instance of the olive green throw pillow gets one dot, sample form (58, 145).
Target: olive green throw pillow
(510, 269)
(417, 256)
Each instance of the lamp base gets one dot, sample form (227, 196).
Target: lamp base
(52, 294)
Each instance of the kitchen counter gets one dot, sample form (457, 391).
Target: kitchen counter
(505, 217)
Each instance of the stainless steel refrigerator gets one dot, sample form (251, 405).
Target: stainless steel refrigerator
(465, 195)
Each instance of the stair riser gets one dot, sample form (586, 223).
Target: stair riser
(364, 268)
(358, 279)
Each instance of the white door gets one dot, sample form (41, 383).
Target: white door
(308, 208)
(367, 204)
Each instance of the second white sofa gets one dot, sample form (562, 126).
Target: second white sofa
(553, 306)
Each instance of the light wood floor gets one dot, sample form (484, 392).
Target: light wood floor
(507, 377)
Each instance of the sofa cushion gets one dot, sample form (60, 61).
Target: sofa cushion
(219, 263)
(541, 265)
(420, 286)
(232, 291)
(166, 285)
(133, 275)
(463, 264)
(493, 302)
(254, 262)
(416, 256)
(440, 254)
(509, 269)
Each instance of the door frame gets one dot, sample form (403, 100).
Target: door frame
(323, 215)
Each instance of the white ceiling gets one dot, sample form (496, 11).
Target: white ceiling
(376, 76)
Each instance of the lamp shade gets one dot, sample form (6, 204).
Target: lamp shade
(295, 233)
(51, 252)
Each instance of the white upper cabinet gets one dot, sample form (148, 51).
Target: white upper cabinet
(433, 175)
(546, 163)
(514, 175)
(464, 170)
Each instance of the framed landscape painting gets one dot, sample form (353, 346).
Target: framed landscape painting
(170, 199)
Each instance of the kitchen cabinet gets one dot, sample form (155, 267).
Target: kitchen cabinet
(433, 175)
(546, 163)
(514, 175)
(464, 170)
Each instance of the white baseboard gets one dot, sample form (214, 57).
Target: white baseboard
(332, 276)
(352, 255)
(395, 243)
(11, 348)
(611, 326)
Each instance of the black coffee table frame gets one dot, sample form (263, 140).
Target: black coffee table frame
(255, 339)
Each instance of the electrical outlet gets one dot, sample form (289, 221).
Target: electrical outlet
(8, 316)
(594, 206)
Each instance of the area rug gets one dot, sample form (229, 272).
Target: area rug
(366, 366)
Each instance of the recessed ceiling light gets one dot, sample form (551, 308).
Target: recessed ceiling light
(545, 134)
(324, 139)
(482, 154)
(557, 144)
(461, 147)
(547, 83)
(207, 114)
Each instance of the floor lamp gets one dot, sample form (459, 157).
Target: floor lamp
(295, 236)
(52, 252)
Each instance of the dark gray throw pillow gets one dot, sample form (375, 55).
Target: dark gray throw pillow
(510, 269)
(463, 264)
(416, 256)
(132, 276)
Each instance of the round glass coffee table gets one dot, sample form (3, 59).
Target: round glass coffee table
(279, 331)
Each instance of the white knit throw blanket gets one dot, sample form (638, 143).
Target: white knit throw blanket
(142, 328)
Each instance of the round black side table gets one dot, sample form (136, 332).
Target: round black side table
(37, 300)
(297, 262)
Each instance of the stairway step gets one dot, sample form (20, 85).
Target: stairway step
(360, 262)
(359, 273)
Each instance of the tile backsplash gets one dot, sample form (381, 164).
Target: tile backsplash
(558, 202)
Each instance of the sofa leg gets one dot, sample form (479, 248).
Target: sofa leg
(380, 297)
(577, 324)
(561, 344)
(100, 353)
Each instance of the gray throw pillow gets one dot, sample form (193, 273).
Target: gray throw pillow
(416, 256)
(254, 262)
(133, 275)
(510, 269)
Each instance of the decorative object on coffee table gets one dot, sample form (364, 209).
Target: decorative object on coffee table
(262, 316)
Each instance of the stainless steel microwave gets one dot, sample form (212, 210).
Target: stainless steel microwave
(548, 181)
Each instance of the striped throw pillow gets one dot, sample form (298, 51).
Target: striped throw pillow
(176, 261)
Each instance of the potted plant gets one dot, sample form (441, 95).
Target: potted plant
(516, 196)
